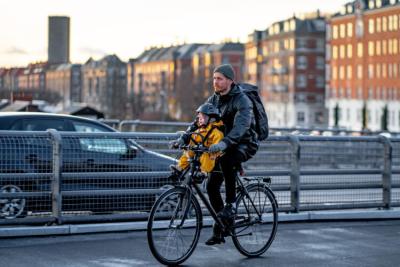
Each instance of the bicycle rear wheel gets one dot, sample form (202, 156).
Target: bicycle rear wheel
(174, 226)
(256, 221)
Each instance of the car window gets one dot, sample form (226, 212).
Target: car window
(86, 127)
(109, 145)
(41, 124)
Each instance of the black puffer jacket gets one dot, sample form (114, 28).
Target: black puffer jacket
(237, 114)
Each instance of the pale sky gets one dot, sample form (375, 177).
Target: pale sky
(128, 27)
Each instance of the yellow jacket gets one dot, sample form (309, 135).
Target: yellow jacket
(207, 160)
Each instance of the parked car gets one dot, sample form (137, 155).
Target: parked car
(100, 154)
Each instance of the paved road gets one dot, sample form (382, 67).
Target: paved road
(360, 243)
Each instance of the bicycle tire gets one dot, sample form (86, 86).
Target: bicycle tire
(165, 216)
(253, 239)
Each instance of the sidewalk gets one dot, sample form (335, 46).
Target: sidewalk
(70, 229)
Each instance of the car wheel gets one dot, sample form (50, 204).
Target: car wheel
(11, 208)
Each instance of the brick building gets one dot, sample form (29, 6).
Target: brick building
(287, 62)
(65, 80)
(162, 82)
(104, 86)
(363, 66)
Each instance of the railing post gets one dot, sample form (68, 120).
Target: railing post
(295, 173)
(386, 172)
(56, 200)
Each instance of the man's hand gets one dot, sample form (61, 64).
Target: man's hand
(221, 146)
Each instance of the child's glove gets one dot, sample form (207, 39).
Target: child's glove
(176, 143)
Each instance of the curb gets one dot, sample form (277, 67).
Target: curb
(72, 229)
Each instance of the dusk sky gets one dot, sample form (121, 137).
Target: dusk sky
(127, 27)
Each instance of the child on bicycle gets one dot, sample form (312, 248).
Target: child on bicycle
(209, 132)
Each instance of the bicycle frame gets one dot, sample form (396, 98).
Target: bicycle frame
(188, 183)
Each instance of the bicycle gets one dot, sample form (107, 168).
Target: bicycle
(176, 218)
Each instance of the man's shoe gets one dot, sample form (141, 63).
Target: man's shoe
(214, 240)
(217, 237)
(227, 214)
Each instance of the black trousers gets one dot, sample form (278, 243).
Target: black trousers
(226, 167)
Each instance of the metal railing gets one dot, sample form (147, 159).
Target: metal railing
(172, 126)
(69, 177)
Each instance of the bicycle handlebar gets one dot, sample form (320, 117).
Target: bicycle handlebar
(195, 148)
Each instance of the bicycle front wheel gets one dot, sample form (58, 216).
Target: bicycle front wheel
(256, 221)
(174, 226)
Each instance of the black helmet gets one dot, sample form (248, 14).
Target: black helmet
(209, 109)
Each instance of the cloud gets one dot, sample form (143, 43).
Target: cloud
(16, 51)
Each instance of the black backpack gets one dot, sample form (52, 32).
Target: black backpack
(258, 109)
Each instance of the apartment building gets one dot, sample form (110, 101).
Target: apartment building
(65, 80)
(287, 62)
(363, 66)
(104, 86)
(162, 82)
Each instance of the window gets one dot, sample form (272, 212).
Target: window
(359, 71)
(349, 51)
(320, 63)
(319, 117)
(384, 24)
(302, 62)
(40, 124)
(85, 127)
(349, 72)
(350, 29)
(384, 47)
(342, 30)
(378, 48)
(334, 72)
(378, 24)
(371, 48)
(384, 73)
(342, 51)
(105, 145)
(341, 73)
(335, 32)
(301, 43)
(371, 26)
(319, 82)
(301, 81)
(334, 52)
(300, 116)
(370, 71)
(378, 70)
(359, 49)
(320, 44)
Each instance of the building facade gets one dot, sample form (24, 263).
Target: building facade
(287, 62)
(58, 39)
(363, 66)
(65, 80)
(104, 86)
(163, 83)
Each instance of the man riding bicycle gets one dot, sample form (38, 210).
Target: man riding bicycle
(239, 144)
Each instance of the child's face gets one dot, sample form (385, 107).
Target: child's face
(202, 119)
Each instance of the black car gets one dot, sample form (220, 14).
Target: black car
(93, 167)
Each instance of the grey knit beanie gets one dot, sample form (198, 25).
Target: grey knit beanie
(226, 70)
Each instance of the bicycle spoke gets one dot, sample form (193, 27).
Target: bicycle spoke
(174, 226)
(253, 236)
